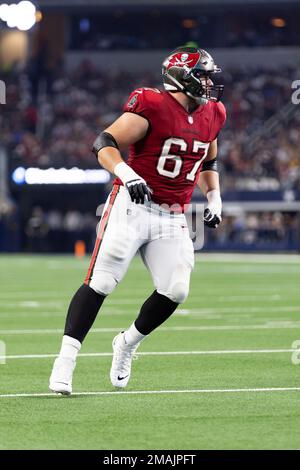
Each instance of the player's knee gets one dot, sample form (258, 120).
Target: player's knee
(178, 292)
(103, 282)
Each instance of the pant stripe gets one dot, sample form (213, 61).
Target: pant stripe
(101, 231)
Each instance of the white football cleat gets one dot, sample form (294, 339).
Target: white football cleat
(61, 376)
(121, 363)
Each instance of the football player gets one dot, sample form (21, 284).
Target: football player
(172, 135)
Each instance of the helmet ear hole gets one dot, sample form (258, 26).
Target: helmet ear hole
(186, 75)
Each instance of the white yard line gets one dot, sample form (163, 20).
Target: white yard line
(157, 392)
(52, 331)
(35, 306)
(215, 257)
(272, 325)
(37, 298)
(262, 308)
(33, 294)
(110, 311)
(246, 298)
(247, 258)
(160, 353)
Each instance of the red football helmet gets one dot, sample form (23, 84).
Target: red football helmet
(189, 70)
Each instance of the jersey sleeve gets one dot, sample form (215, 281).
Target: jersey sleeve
(141, 102)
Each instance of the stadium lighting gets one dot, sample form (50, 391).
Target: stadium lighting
(21, 15)
(4, 11)
(38, 16)
(278, 22)
(18, 175)
(189, 23)
(74, 175)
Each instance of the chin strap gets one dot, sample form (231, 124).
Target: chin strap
(199, 100)
(177, 85)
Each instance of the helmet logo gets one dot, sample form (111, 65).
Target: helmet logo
(181, 60)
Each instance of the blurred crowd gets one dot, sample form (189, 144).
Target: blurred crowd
(9, 226)
(146, 29)
(54, 122)
(55, 231)
(259, 230)
(248, 37)
(256, 154)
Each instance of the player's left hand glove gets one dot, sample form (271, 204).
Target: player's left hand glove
(212, 214)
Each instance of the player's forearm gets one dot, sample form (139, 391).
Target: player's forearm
(210, 186)
(208, 181)
(106, 149)
(109, 157)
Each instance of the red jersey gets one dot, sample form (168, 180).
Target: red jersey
(171, 154)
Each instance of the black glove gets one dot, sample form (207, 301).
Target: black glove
(139, 191)
(210, 219)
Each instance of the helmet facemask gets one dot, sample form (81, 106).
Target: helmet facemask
(200, 87)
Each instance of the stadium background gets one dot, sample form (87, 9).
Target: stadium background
(219, 373)
(69, 75)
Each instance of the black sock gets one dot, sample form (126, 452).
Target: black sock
(154, 312)
(82, 312)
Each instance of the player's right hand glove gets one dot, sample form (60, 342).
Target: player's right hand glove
(138, 190)
(137, 187)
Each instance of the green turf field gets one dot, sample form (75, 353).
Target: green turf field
(217, 375)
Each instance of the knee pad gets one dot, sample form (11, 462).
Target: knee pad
(103, 282)
(178, 292)
(176, 288)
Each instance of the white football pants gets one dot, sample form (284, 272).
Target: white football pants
(161, 237)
